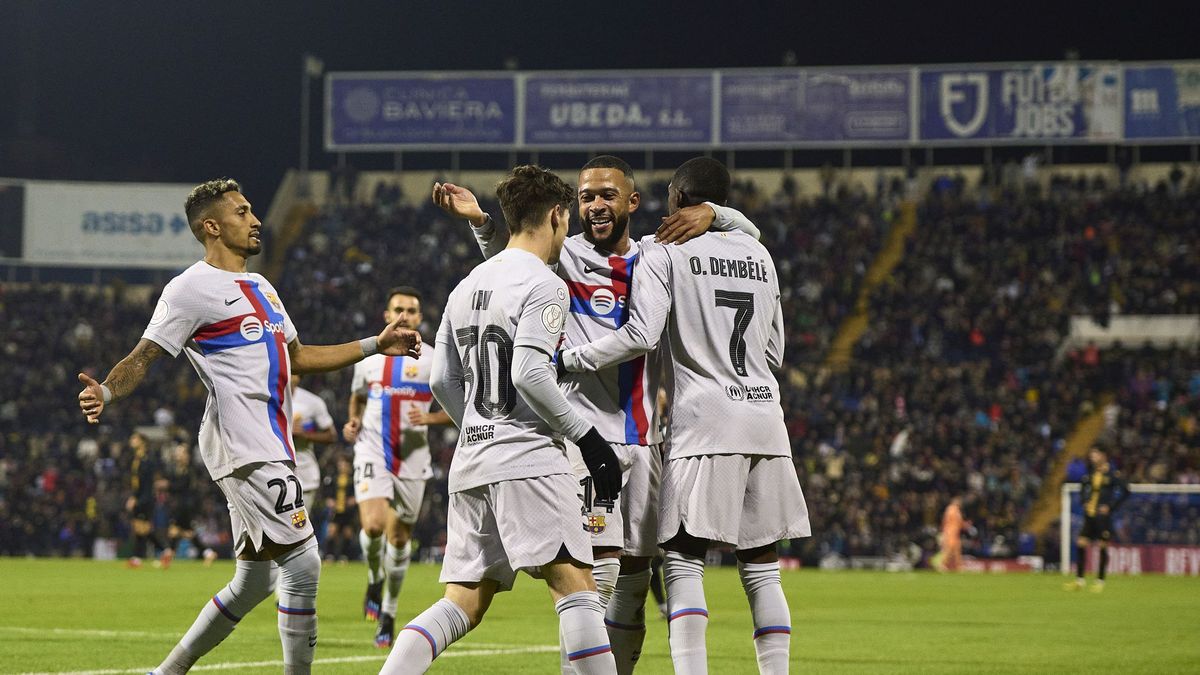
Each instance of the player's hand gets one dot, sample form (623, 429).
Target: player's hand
(1103, 509)
(686, 223)
(416, 417)
(458, 202)
(602, 464)
(397, 341)
(91, 399)
(350, 429)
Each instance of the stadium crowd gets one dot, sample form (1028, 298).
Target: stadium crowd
(957, 387)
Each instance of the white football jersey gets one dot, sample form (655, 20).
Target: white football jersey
(511, 300)
(717, 298)
(620, 401)
(394, 385)
(235, 331)
(309, 413)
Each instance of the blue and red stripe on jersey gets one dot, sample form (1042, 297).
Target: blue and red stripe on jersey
(395, 391)
(278, 369)
(227, 334)
(631, 394)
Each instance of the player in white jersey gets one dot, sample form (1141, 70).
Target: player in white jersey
(311, 425)
(389, 419)
(713, 303)
(241, 341)
(513, 502)
(597, 266)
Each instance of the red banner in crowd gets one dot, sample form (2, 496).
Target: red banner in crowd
(1177, 561)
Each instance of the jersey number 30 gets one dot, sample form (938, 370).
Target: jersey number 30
(495, 394)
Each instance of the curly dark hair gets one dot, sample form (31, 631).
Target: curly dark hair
(202, 197)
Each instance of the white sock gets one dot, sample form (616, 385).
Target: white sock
(625, 619)
(581, 627)
(688, 620)
(299, 572)
(396, 565)
(772, 621)
(426, 636)
(372, 548)
(251, 584)
(604, 571)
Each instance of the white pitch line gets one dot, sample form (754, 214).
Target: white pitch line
(235, 665)
(101, 633)
(87, 631)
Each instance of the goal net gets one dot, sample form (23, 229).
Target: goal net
(1157, 529)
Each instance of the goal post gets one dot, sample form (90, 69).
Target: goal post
(1182, 557)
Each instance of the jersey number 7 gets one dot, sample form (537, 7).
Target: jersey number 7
(744, 304)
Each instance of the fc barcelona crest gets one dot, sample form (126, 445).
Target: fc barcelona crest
(299, 519)
(595, 524)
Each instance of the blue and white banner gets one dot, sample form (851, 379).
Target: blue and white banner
(1162, 102)
(129, 225)
(1021, 103)
(386, 111)
(638, 110)
(815, 106)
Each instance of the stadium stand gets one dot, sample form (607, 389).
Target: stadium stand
(956, 387)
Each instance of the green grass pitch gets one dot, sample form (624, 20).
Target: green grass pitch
(84, 616)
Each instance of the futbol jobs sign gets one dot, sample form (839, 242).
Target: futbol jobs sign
(1053, 102)
(635, 109)
(381, 111)
(108, 224)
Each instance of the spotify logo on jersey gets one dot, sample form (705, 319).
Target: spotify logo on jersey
(251, 328)
(602, 301)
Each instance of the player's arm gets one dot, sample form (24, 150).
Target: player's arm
(538, 333)
(649, 306)
(393, 341)
(460, 202)
(418, 417)
(776, 340)
(121, 381)
(323, 431)
(447, 378)
(354, 415)
(692, 221)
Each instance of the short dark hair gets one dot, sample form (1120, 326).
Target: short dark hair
(610, 162)
(204, 196)
(702, 179)
(402, 290)
(528, 193)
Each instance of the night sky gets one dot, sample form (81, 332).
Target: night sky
(173, 91)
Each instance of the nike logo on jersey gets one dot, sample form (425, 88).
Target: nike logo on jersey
(592, 270)
(312, 641)
(230, 302)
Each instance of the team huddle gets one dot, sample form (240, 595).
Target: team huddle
(549, 360)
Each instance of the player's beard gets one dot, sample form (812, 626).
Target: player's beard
(618, 231)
